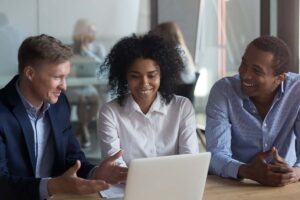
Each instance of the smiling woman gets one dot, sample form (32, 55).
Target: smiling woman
(143, 79)
(146, 119)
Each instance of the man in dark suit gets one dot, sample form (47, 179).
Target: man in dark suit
(39, 155)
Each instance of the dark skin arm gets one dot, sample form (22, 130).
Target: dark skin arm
(278, 173)
(282, 166)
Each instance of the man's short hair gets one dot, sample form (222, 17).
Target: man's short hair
(42, 49)
(278, 48)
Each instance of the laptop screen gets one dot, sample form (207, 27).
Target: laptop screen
(174, 177)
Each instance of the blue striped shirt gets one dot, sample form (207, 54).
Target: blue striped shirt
(235, 132)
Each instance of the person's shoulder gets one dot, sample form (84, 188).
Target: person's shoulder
(8, 94)
(227, 84)
(3, 94)
(291, 84)
(178, 98)
(180, 101)
(292, 78)
(228, 88)
(3, 107)
(113, 105)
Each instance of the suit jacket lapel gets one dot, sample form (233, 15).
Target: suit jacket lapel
(27, 130)
(20, 113)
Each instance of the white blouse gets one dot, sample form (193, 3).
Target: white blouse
(164, 130)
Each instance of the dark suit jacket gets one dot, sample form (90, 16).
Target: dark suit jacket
(17, 159)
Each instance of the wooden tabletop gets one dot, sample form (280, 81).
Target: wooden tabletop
(222, 189)
(227, 189)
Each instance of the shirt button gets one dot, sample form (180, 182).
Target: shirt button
(265, 124)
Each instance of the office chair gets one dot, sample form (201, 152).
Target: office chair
(187, 90)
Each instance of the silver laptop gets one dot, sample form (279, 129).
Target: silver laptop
(175, 177)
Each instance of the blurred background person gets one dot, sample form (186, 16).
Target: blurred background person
(87, 56)
(84, 41)
(172, 32)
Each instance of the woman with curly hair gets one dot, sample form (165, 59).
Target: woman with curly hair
(146, 119)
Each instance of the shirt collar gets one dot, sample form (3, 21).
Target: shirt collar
(28, 106)
(158, 105)
(278, 95)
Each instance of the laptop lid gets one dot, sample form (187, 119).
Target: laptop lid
(168, 178)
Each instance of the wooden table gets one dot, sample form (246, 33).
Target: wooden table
(226, 189)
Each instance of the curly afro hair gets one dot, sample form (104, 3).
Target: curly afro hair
(149, 46)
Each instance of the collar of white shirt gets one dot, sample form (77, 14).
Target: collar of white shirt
(158, 105)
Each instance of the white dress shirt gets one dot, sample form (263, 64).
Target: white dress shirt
(164, 130)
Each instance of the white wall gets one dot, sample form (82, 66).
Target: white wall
(113, 18)
(21, 14)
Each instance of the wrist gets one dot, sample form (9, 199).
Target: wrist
(97, 174)
(297, 172)
(244, 171)
(53, 186)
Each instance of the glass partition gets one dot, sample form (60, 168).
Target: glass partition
(100, 21)
(225, 28)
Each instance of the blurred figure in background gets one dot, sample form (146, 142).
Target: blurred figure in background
(88, 55)
(84, 37)
(172, 32)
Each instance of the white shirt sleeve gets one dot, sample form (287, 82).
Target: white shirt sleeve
(188, 141)
(108, 134)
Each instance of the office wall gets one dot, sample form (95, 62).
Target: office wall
(23, 17)
(112, 18)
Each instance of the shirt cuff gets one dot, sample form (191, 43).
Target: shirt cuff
(44, 194)
(232, 169)
(297, 164)
(120, 162)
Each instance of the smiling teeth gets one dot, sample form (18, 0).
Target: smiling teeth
(248, 84)
(145, 91)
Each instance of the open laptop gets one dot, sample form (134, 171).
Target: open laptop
(167, 178)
